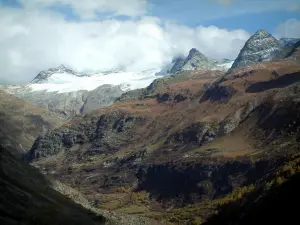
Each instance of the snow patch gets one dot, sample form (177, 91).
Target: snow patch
(66, 82)
(226, 65)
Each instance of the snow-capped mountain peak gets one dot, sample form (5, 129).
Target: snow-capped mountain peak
(45, 74)
(64, 79)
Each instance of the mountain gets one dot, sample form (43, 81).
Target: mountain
(199, 145)
(68, 93)
(289, 51)
(21, 123)
(61, 70)
(294, 53)
(69, 104)
(194, 61)
(288, 42)
(27, 196)
(185, 146)
(260, 47)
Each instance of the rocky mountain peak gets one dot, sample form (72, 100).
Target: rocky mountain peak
(261, 46)
(261, 34)
(194, 60)
(62, 67)
(45, 74)
(194, 53)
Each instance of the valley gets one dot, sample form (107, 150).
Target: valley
(201, 145)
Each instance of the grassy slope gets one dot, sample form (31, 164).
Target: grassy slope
(21, 123)
(26, 198)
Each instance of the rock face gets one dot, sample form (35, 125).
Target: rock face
(177, 63)
(261, 47)
(100, 97)
(69, 104)
(45, 74)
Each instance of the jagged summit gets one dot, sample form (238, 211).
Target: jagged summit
(61, 69)
(195, 54)
(261, 46)
(261, 34)
(195, 61)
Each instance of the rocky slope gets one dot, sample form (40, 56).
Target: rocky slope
(260, 47)
(209, 134)
(21, 123)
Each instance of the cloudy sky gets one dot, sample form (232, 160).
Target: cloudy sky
(135, 34)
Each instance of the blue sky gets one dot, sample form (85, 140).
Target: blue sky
(250, 15)
(134, 34)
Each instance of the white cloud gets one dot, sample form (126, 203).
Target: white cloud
(290, 29)
(31, 41)
(212, 41)
(88, 9)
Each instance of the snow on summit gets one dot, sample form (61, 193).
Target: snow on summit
(63, 79)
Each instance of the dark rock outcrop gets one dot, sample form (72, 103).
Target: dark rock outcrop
(218, 93)
(163, 97)
(179, 98)
(191, 183)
